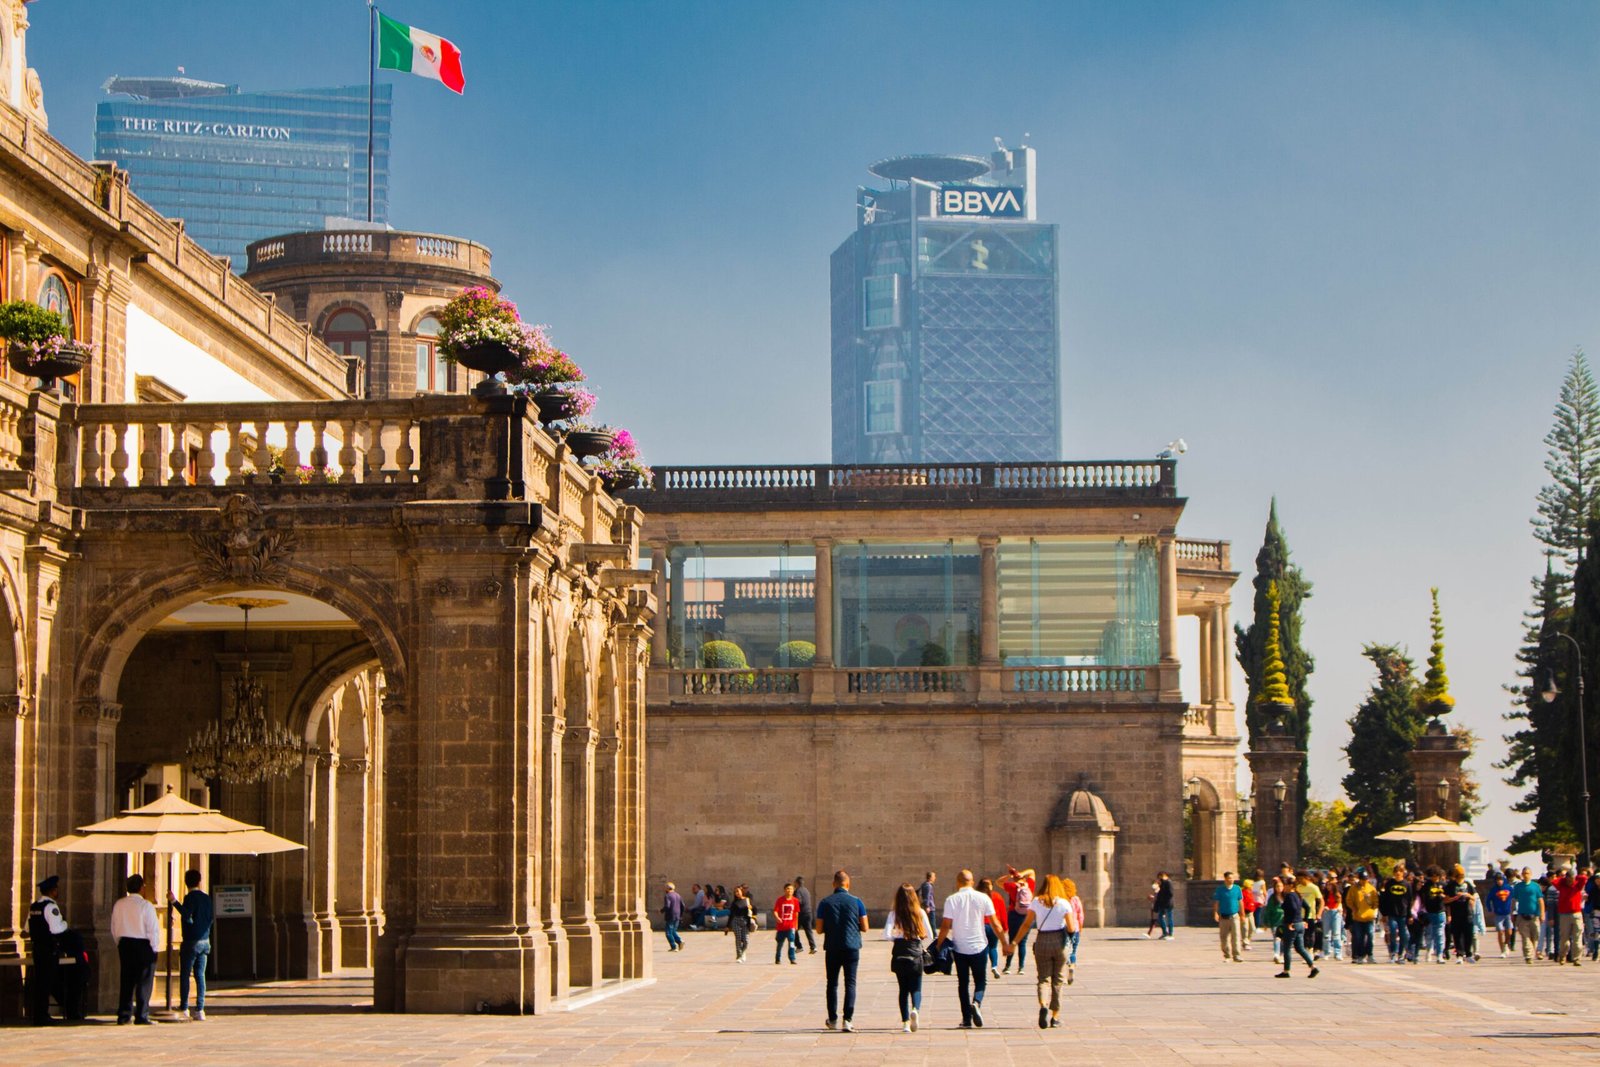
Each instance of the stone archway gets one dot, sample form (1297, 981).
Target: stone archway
(1203, 820)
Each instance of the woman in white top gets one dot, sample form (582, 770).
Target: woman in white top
(1053, 915)
(907, 927)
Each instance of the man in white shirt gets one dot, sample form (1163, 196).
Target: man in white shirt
(961, 922)
(134, 929)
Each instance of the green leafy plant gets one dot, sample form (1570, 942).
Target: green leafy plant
(1274, 684)
(25, 323)
(722, 655)
(1434, 696)
(796, 654)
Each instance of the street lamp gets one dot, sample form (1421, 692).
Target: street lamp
(1442, 792)
(1280, 790)
(1549, 694)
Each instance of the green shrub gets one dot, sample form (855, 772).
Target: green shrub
(796, 654)
(934, 655)
(27, 323)
(722, 655)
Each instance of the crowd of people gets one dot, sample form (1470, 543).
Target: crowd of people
(966, 934)
(1416, 915)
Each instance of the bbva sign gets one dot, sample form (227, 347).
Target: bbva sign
(978, 200)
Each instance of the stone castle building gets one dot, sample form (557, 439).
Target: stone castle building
(448, 619)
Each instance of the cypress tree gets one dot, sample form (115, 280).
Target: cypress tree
(1383, 730)
(1273, 566)
(1434, 697)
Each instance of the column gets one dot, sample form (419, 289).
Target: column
(989, 601)
(658, 586)
(322, 858)
(1204, 660)
(552, 815)
(1225, 655)
(352, 918)
(577, 867)
(1169, 686)
(15, 811)
(91, 882)
(822, 676)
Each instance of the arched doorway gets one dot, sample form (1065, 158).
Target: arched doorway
(1202, 824)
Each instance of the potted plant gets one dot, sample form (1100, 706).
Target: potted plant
(479, 330)
(620, 467)
(588, 439)
(38, 344)
(552, 378)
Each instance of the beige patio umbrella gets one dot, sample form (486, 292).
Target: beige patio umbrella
(169, 826)
(1435, 830)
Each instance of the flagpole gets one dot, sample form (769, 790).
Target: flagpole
(372, 77)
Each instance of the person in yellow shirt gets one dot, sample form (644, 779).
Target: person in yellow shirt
(1361, 901)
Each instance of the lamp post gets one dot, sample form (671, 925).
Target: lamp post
(1441, 792)
(1549, 694)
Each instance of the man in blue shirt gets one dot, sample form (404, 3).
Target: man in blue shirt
(196, 914)
(841, 917)
(1226, 903)
(1527, 898)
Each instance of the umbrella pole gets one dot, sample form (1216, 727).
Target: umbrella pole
(171, 870)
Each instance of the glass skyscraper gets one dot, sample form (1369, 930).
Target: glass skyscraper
(238, 166)
(946, 339)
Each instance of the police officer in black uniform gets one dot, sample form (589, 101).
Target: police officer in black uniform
(45, 930)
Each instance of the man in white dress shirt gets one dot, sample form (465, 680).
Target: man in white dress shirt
(961, 922)
(134, 929)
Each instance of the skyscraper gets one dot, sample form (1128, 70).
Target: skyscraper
(946, 339)
(238, 166)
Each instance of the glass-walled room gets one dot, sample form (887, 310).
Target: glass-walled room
(906, 604)
(748, 605)
(1079, 603)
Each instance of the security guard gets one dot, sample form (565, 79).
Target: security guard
(45, 926)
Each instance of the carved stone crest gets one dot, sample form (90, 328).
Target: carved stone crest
(245, 548)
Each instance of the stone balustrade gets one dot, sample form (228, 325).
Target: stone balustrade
(867, 684)
(313, 247)
(1203, 555)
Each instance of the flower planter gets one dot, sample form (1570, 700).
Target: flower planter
(589, 442)
(555, 406)
(71, 359)
(490, 357)
(619, 481)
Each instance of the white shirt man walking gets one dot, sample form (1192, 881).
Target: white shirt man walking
(961, 922)
(136, 932)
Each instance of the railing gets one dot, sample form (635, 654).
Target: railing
(907, 680)
(13, 410)
(312, 442)
(702, 610)
(266, 253)
(775, 589)
(344, 243)
(441, 247)
(919, 481)
(737, 681)
(1202, 555)
(313, 246)
(1074, 679)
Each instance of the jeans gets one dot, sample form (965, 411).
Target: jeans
(1295, 940)
(1460, 932)
(807, 922)
(138, 979)
(836, 960)
(1072, 951)
(790, 938)
(1591, 933)
(1164, 917)
(993, 951)
(673, 940)
(1361, 940)
(1013, 922)
(1333, 933)
(1397, 936)
(910, 979)
(1433, 934)
(193, 957)
(1547, 940)
(970, 968)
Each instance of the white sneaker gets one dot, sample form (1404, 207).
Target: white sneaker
(198, 1016)
(905, 1028)
(849, 1027)
(913, 1023)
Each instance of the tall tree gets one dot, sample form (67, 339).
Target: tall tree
(1434, 697)
(1568, 504)
(1383, 730)
(1586, 631)
(1540, 752)
(1273, 565)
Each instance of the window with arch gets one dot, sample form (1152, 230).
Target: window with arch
(56, 294)
(348, 333)
(434, 375)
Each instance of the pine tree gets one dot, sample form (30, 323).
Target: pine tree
(1272, 565)
(1534, 754)
(1586, 631)
(1568, 504)
(1383, 730)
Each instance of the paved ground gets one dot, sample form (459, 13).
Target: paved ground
(1135, 1001)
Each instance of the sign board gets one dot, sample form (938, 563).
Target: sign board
(976, 202)
(235, 901)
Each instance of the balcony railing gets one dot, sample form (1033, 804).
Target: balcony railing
(907, 680)
(920, 483)
(939, 685)
(737, 682)
(1203, 555)
(1075, 679)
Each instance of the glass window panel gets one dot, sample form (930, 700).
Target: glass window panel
(881, 301)
(882, 407)
(906, 605)
(54, 294)
(761, 598)
(1079, 603)
(346, 322)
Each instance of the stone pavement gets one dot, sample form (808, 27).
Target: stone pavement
(1135, 1001)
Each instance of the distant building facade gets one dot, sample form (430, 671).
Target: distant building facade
(373, 296)
(240, 166)
(945, 331)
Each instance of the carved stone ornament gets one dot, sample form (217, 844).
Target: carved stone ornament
(245, 548)
(491, 588)
(444, 587)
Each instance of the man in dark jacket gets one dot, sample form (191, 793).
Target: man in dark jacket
(807, 916)
(671, 916)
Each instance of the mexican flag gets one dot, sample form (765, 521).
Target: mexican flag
(402, 47)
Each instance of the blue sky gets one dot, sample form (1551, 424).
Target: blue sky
(1344, 249)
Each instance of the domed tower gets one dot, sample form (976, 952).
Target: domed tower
(372, 295)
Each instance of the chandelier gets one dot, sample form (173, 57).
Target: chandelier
(246, 748)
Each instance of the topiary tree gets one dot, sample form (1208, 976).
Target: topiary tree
(1274, 683)
(722, 655)
(796, 654)
(1434, 696)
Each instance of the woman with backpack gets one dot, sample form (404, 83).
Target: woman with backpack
(907, 927)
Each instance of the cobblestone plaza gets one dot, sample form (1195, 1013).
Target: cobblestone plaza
(1135, 1001)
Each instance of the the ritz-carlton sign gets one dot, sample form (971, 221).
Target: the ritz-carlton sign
(215, 129)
